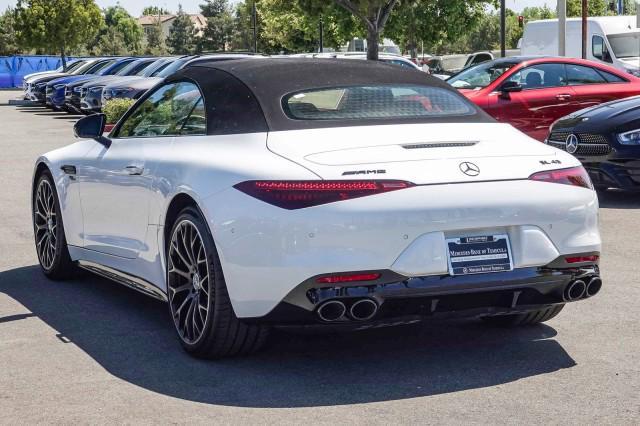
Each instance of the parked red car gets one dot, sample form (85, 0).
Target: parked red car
(532, 92)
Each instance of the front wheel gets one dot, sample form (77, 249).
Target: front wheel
(529, 318)
(198, 300)
(48, 229)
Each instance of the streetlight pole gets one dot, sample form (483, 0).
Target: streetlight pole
(321, 29)
(503, 32)
(584, 29)
(254, 21)
(562, 27)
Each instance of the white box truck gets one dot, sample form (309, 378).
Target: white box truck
(614, 40)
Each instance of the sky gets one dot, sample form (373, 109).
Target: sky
(191, 6)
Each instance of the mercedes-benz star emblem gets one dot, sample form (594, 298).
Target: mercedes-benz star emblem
(571, 144)
(469, 169)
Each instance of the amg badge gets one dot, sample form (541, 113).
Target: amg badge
(364, 172)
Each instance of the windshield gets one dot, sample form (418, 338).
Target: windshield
(375, 102)
(85, 67)
(453, 63)
(134, 67)
(175, 66)
(625, 45)
(481, 75)
(74, 66)
(156, 66)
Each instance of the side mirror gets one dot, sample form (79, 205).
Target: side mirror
(91, 127)
(509, 87)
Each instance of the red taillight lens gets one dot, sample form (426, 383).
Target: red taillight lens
(582, 259)
(334, 279)
(576, 176)
(300, 194)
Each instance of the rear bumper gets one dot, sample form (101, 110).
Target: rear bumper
(267, 251)
(413, 299)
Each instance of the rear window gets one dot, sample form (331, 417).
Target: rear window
(375, 102)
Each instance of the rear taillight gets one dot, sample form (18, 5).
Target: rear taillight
(582, 259)
(293, 195)
(576, 176)
(347, 278)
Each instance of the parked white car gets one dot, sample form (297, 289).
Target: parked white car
(250, 193)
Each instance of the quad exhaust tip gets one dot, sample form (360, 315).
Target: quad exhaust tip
(363, 310)
(575, 290)
(332, 311)
(594, 286)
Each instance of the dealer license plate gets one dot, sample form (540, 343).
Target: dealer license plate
(479, 255)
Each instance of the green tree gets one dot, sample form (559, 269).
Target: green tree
(155, 40)
(220, 25)
(59, 26)
(293, 26)
(242, 37)
(118, 20)
(181, 38)
(8, 45)
(594, 8)
(437, 22)
(110, 42)
(155, 10)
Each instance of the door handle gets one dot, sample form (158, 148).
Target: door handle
(134, 170)
(563, 97)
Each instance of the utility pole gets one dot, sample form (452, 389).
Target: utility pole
(637, 13)
(503, 30)
(321, 29)
(584, 29)
(254, 21)
(562, 27)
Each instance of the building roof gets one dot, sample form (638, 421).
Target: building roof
(198, 19)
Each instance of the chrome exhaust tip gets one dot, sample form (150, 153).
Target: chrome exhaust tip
(363, 310)
(594, 286)
(575, 290)
(332, 310)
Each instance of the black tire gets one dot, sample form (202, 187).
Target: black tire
(221, 333)
(530, 318)
(55, 263)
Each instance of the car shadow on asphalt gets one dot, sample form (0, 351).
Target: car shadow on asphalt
(617, 199)
(131, 336)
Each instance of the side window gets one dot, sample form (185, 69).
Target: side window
(166, 112)
(612, 78)
(579, 75)
(480, 58)
(540, 76)
(599, 49)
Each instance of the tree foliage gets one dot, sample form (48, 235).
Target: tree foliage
(181, 38)
(8, 43)
(155, 40)
(59, 26)
(120, 33)
(154, 10)
(220, 25)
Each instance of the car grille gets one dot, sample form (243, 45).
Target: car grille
(67, 92)
(589, 143)
(83, 92)
(49, 90)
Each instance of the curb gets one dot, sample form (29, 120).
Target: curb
(23, 102)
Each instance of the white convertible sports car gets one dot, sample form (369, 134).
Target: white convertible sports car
(253, 193)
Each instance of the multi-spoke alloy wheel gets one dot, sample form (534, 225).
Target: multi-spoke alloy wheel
(188, 284)
(45, 222)
(48, 229)
(198, 297)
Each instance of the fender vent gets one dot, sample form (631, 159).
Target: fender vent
(439, 145)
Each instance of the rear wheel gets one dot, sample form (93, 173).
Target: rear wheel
(198, 300)
(48, 229)
(529, 318)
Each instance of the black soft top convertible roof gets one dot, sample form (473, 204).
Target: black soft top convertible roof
(261, 83)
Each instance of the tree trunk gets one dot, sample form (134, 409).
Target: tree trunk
(64, 59)
(372, 43)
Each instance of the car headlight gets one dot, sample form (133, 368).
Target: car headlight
(58, 86)
(629, 138)
(97, 89)
(121, 91)
(77, 89)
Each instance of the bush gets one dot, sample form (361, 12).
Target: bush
(115, 108)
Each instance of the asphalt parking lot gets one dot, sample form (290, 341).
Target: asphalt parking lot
(91, 351)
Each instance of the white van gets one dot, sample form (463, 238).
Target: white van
(614, 40)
